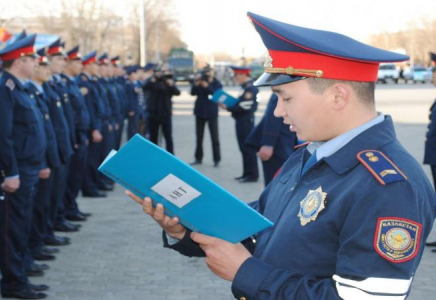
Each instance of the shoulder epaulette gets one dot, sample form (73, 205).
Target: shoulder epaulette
(10, 84)
(380, 166)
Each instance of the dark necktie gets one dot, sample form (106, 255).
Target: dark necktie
(310, 162)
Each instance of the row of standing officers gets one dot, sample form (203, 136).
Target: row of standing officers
(60, 116)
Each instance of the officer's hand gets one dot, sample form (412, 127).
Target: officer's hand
(171, 225)
(222, 105)
(96, 136)
(11, 185)
(222, 258)
(110, 127)
(44, 173)
(117, 126)
(204, 84)
(131, 113)
(170, 82)
(265, 152)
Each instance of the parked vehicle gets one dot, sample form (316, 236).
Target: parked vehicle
(417, 74)
(182, 62)
(388, 72)
(422, 75)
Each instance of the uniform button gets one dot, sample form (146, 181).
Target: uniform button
(242, 298)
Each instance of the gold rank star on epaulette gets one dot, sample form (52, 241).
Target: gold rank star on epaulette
(380, 166)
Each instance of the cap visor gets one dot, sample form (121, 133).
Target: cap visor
(267, 79)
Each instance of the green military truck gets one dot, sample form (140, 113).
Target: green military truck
(181, 61)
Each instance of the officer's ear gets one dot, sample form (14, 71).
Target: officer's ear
(340, 95)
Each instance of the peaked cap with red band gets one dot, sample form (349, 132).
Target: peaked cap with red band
(103, 59)
(115, 60)
(74, 54)
(56, 48)
(89, 58)
(20, 48)
(240, 70)
(296, 53)
(43, 61)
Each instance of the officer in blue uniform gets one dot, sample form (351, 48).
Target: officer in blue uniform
(22, 156)
(87, 83)
(273, 140)
(82, 122)
(118, 82)
(206, 111)
(243, 113)
(57, 59)
(430, 142)
(109, 120)
(41, 207)
(352, 209)
(132, 96)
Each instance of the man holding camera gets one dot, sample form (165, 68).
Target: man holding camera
(161, 88)
(206, 111)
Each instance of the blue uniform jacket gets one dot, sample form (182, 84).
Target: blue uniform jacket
(113, 99)
(60, 124)
(247, 103)
(204, 107)
(104, 98)
(367, 234)
(430, 142)
(88, 88)
(81, 113)
(119, 83)
(22, 135)
(271, 131)
(61, 88)
(52, 152)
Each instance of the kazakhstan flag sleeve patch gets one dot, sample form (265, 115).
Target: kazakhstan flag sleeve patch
(396, 239)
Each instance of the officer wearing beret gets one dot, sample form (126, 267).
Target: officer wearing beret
(430, 142)
(352, 209)
(273, 141)
(206, 111)
(243, 113)
(89, 88)
(22, 157)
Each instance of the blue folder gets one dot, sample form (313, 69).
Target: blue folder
(222, 97)
(201, 205)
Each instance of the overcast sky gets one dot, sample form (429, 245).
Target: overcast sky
(222, 26)
(209, 26)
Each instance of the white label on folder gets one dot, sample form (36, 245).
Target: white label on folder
(175, 190)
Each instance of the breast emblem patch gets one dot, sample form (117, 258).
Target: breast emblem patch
(396, 239)
(311, 205)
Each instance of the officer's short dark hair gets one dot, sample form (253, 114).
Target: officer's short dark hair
(365, 90)
(7, 64)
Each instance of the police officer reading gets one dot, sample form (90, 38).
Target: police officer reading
(352, 209)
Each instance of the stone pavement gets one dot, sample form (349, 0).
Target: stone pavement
(118, 253)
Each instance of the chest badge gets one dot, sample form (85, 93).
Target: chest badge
(311, 205)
